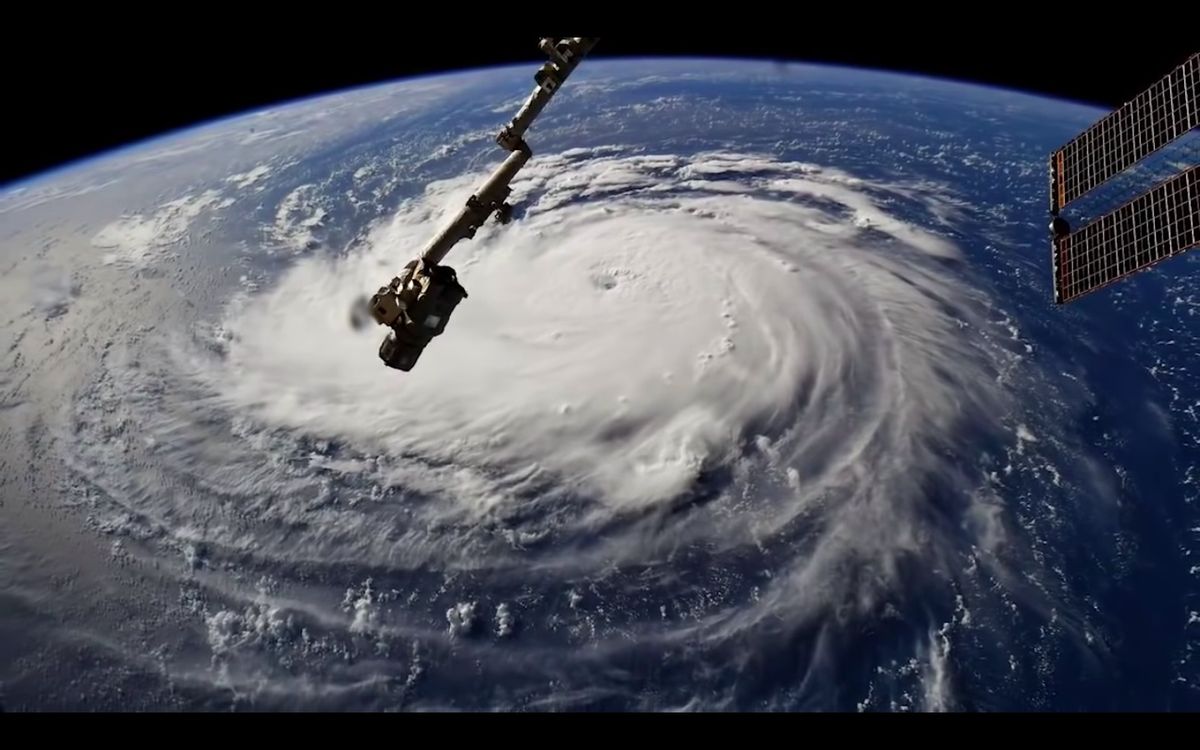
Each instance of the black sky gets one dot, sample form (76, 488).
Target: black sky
(102, 83)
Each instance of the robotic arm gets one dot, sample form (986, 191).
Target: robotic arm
(417, 304)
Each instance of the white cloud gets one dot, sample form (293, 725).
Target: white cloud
(297, 220)
(363, 605)
(51, 290)
(139, 239)
(246, 179)
(505, 620)
(461, 618)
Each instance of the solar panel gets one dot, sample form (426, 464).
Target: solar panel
(1154, 118)
(1163, 222)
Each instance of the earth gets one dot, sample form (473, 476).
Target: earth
(760, 403)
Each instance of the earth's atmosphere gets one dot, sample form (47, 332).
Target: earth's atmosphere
(760, 403)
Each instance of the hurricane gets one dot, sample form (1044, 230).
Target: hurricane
(705, 426)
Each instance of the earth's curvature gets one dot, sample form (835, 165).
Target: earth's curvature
(760, 403)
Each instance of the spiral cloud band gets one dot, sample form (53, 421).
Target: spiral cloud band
(689, 401)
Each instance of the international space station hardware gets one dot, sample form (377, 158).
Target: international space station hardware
(417, 304)
(1158, 223)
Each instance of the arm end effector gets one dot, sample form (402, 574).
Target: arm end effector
(564, 55)
(416, 306)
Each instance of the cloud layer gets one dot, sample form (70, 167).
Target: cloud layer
(704, 406)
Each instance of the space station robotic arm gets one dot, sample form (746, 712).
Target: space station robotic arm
(417, 304)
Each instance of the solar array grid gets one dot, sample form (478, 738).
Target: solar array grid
(1163, 222)
(1157, 116)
